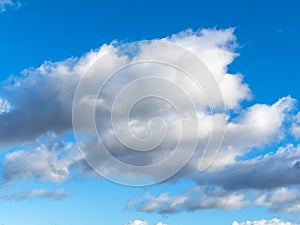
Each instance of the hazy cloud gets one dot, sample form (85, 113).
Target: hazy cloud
(6, 4)
(57, 194)
(273, 221)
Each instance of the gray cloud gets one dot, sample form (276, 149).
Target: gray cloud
(200, 197)
(281, 200)
(57, 194)
(44, 162)
(278, 169)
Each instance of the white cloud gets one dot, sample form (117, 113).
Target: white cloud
(255, 127)
(43, 97)
(51, 162)
(273, 221)
(42, 103)
(137, 222)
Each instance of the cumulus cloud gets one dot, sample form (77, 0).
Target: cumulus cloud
(255, 127)
(273, 221)
(42, 98)
(57, 194)
(39, 102)
(199, 197)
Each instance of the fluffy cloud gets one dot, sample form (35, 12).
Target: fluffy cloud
(42, 99)
(274, 221)
(255, 127)
(57, 194)
(194, 199)
(39, 102)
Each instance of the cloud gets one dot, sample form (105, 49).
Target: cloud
(5, 4)
(271, 170)
(140, 222)
(137, 222)
(281, 200)
(44, 162)
(273, 221)
(199, 197)
(42, 98)
(57, 194)
(255, 127)
(228, 188)
(38, 105)
(4, 106)
(295, 128)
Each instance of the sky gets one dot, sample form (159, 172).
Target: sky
(184, 149)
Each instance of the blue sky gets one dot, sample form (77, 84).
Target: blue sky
(45, 182)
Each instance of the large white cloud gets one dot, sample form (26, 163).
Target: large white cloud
(39, 103)
(42, 98)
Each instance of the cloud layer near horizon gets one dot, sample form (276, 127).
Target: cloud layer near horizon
(274, 221)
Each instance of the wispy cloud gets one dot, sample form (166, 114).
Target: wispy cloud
(273, 221)
(57, 194)
(9, 4)
(201, 197)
